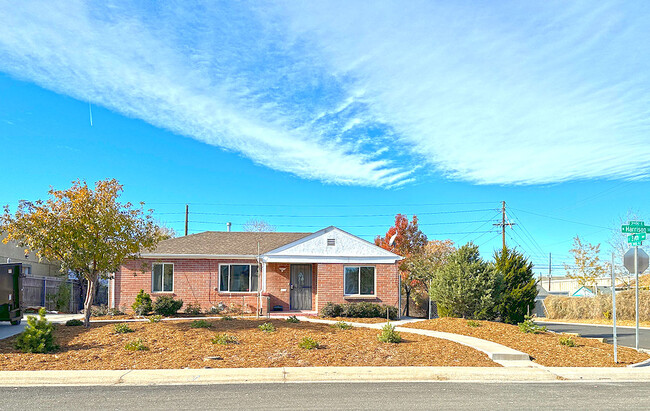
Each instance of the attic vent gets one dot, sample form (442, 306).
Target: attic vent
(331, 241)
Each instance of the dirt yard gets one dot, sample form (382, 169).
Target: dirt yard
(174, 344)
(544, 348)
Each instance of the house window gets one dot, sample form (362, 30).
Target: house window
(359, 280)
(162, 279)
(238, 278)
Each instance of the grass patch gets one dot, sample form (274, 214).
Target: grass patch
(200, 324)
(342, 325)
(389, 335)
(136, 345)
(308, 343)
(267, 327)
(472, 323)
(224, 339)
(122, 328)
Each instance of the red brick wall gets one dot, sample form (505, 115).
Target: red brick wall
(330, 284)
(197, 281)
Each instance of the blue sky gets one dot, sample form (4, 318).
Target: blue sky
(309, 114)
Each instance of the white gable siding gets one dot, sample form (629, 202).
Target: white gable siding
(346, 248)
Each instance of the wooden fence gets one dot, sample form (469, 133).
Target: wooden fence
(46, 292)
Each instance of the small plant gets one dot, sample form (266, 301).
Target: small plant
(227, 318)
(568, 341)
(342, 325)
(155, 318)
(224, 339)
(308, 343)
(193, 309)
(529, 327)
(166, 305)
(37, 337)
(293, 319)
(389, 335)
(200, 324)
(99, 311)
(472, 323)
(267, 327)
(607, 314)
(122, 328)
(62, 298)
(136, 345)
(214, 310)
(142, 304)
(74, 323)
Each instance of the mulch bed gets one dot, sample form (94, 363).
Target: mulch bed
(173, 344)
(355, 320)
(544, 348)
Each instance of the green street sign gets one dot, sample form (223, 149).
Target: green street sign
(636, 237)
(631, 229)
(636, 222)
(633, 243)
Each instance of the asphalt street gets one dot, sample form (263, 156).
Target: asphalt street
(625, 336)
(320, 396)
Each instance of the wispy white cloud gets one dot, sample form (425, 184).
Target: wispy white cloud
(363, 93)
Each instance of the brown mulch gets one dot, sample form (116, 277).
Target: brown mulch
(173, 344)
(543, 348)
(355, 320)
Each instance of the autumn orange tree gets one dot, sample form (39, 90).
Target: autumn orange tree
(405, 239)
(88, 231)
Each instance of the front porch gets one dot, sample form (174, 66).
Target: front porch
(292, 288)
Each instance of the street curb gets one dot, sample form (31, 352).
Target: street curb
(592, 325)
(315, 374)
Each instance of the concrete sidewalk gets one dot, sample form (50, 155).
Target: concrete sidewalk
(501, 354)
(316, 374)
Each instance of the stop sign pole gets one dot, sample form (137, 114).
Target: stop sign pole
(638, 230)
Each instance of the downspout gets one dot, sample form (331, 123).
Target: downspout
(399, 295)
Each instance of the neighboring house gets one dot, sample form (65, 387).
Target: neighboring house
(31, 265)
(586, 291)
(297, 271)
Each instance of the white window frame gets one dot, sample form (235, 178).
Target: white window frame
(374, 270)
(163, 277)
(250, 279)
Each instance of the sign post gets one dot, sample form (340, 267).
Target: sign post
(614, 311)
(637, 260)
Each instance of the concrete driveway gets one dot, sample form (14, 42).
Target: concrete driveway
(7, 330)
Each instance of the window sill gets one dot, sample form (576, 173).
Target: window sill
(162, 292)
(238, 292)
(360, 297)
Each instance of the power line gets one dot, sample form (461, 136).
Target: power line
(560, 219)
(329, 216)
(325, 205)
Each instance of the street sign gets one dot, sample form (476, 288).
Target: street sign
(634, 229)
(635, 243)
(636, 237)
(636, 222)
(643, 260)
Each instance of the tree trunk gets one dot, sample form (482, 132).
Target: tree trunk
(90, 296)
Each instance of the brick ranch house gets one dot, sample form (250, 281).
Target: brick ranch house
(298, 271)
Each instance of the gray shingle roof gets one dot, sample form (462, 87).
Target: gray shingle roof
(226, 243)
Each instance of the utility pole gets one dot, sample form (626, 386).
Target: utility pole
(503, 224)
(549, 271)
(187, 214)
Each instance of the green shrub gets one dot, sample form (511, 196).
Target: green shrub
(342, 325)
(166, 305)
(227, 318)
(331, 310)
(568, 341)
(200, 324)
(37, 337)
(529, 327)
(193, 309)
(62, 298)
(136, 345)
(518, 286)
(359, 310)
(155, 318)
(224, 339)
(292, 319)
(308, 343)
(267, 327)
(142, 304)
(122, 328)
(74, 323)
(472, 323)
(389, 335)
